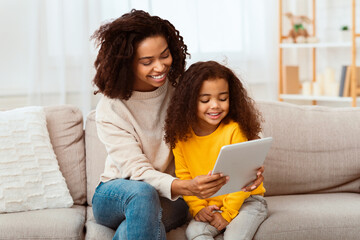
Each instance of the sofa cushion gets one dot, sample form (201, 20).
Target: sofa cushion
(61, 223)
(95, 156)
(65, 126)
(30, 178)
(312, 216)
(315, 149)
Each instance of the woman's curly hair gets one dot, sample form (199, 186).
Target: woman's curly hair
(118, 39)
(182, 111)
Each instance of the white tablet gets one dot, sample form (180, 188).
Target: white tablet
(240, 162)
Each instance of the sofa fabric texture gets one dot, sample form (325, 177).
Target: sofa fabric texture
(315, 149)
(312, 176)
(65, 126)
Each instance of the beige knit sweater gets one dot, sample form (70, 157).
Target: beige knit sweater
(133, 131)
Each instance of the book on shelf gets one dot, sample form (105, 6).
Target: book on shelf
(345, 81)
(291, 83)
(342, 80)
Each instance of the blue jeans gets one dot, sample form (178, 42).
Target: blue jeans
(135, 210)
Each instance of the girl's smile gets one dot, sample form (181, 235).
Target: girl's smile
(213, 105)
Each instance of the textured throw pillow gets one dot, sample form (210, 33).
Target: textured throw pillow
(30, 178)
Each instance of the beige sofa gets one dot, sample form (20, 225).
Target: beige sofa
(312, 176)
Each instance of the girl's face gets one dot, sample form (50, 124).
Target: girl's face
(151, 64)
(213, 105)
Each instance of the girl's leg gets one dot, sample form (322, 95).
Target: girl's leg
(252, 213)
(201, 231)
(136, 201)
(174, 213)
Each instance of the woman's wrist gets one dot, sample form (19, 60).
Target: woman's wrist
(180, 187)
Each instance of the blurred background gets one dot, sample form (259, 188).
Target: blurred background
(47, 56)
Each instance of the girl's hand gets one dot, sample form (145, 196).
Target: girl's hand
(257, 182)
(206, 214)
(204, 186)
(219, 222)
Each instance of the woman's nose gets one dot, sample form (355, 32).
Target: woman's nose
(159, 66)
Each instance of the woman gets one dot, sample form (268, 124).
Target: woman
(139, 61)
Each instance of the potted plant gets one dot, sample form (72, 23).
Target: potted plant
(345, 33)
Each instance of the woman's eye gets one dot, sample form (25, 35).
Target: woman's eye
(146, 63)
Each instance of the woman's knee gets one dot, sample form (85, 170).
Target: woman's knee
(145, 194)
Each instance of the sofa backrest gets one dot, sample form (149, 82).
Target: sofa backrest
(316, 149)
(65, 126)
(95, 156)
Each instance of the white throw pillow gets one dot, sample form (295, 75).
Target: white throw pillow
(30, 177)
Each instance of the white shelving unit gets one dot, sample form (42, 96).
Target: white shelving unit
(316, 45)
(354, 90)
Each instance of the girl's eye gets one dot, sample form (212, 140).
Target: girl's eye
(165, 56)
(223, 99)
(204, 101)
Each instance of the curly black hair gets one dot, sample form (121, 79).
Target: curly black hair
(118, 39)
(181, 114)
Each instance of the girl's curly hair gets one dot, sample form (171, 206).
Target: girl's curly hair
(181, 114)
(118, 39)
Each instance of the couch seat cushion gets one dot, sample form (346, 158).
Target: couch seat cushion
(313, 216)
(61, 223)
(95, 231)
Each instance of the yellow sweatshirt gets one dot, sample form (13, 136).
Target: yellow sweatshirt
(197, 156)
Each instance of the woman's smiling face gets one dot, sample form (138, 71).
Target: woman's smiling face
(151, 64)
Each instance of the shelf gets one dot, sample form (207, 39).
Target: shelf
(315, 45)
(316, 98)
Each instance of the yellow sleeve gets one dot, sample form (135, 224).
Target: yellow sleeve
(237, 135)
(232, 203)
(182, 172)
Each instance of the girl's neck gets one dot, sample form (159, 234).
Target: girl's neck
(201, 130)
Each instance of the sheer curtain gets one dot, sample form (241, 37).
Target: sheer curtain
(47, 56)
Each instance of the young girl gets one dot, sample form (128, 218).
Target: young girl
(209, 109)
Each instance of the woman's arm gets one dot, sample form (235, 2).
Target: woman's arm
(126, 158)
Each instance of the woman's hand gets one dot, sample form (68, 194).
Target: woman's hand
(204, 186)
(257, 182)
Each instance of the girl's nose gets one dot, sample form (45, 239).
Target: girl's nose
(214, 104)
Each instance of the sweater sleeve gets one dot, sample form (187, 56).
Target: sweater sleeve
(126, 155)
(182, 172)
(232, 203)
